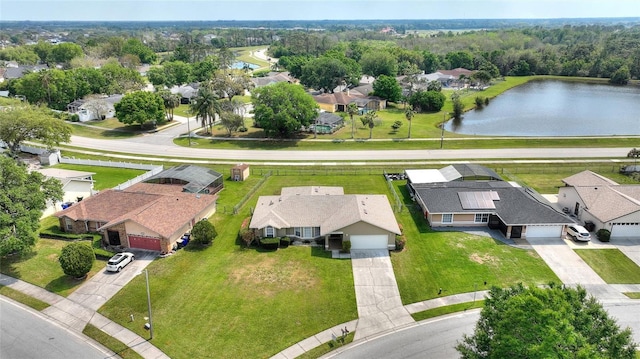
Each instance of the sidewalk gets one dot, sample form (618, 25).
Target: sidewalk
(75, 317)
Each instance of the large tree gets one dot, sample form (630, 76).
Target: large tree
(352, 110)
(282, 109)
(29, 123)
(424, 101)
(24, 196)
(387, 87)
(555, 322)
(376, 63)
(76, 259)
(142, 108)
(326, 73)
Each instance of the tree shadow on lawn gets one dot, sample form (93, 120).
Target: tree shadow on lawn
(7, 263)
(63, 284)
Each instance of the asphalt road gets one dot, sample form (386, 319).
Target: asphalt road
(25, 334)
(435, 338)
(160, 145)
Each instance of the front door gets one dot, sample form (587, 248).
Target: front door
(114, 238)
(577, 209)
(516, 232)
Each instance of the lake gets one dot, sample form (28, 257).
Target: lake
(556, 108)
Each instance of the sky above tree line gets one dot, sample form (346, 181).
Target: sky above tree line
(210, 10)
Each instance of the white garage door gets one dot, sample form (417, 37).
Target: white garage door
(544, 231)
(369, 242)
(626, 230)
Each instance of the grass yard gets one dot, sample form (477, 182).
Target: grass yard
(104, 132)
(41, 267)
(253, 303)
(458, 262)
(611, 265)
(105, 177)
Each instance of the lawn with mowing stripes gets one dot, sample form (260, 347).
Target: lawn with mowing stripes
(611, 265)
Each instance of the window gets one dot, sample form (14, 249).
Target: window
(268, 232)
(316, 231)
(482, 218)
(307, 232)
(447, 218)
(298, 231)
(69, 223)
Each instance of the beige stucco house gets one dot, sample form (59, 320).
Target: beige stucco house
(590, 197)
(326, 214)
(76, 185)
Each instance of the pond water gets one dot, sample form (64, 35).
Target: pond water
(241, 65)
(556, 108)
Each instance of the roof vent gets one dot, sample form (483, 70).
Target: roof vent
(363, 203)
(365, 212)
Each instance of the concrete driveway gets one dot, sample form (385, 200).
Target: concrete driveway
(104, 285)
(571, 269)
(377, 296)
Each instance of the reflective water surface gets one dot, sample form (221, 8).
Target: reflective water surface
(556, 108)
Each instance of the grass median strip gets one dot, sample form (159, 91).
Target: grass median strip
(611, 265)
(447, 309)
(23, 298)
(116, 346)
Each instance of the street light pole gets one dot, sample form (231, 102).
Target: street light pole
(189, 128)
(146, 275)
(444, 119)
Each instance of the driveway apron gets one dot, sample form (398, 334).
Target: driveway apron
(378, 299)
(571, 269)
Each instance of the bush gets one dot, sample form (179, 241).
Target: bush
(603, 235)
(246, 235)
(74, 118)
(400, 242)
(203, 232)
(479, 102)
(76, 259)
(270, 243)
(346, 246)
(285, 242)
(242, 129)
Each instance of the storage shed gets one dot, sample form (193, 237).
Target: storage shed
(240, 172)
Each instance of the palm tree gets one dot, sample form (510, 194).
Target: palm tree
(171, 101)
(205, 106)
(408, 114)
(352, 110)
(369, 119)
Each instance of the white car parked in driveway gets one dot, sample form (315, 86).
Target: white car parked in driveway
(578, 233)
(119, 261)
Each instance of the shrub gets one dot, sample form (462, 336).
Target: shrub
(603, 235)
(270, 242)
(76, 259)
(242, 129)
(74, 118)
(479, 102)
(203, 232)
(285, 242)
(346, 246)
(247, 236)
(400, 242)
(396, 125)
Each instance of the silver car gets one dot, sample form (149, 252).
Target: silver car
(578, 233)
(119, 261)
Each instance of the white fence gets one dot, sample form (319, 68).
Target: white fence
(152, 169)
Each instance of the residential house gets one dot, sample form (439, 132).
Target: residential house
(456, 172)
(186, 92)
(338, 102)
(590, 197)
(326, 215)
(272, 78)
(517, 212)
(13, 71)
(145, 215)
(95, 108)
(76, 185)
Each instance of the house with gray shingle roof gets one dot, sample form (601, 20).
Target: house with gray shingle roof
(516, 211)
(591, 197)
(327, 215)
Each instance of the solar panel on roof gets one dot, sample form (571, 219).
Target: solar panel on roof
(477, 200)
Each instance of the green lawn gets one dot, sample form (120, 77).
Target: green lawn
(233, 294)
(105, 177)
(611, 265)
(41, 267)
